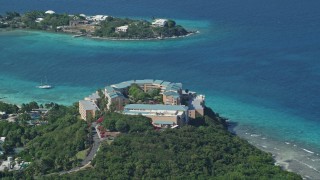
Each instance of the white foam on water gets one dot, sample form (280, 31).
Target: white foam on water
(307, 151)
(255, 135)
(309, 166)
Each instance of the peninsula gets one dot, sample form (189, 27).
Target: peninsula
(97, 26)
(137, 129)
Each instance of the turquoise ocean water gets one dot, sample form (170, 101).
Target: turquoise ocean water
(257, 63)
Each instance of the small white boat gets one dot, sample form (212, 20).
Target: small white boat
(78, 35)
(44, 86)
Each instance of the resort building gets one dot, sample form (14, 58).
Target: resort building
(178, 105)
(159, 22)
(87, 107)
(115, 98)
(148, 84)
(122, 29)
(93, 97)
(171, 98)
(161, 115)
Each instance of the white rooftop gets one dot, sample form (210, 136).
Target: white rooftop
(123, 27)
(2, 139)
(159, 22)
(88, 105)
(50, 12)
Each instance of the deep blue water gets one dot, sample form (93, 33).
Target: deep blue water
(256, 61)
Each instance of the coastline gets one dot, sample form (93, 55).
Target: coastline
(290, 156)
(284, 153)
(143, 39)
(101, 38)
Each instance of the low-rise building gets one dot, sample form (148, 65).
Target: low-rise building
(98, 18)
(87, 108)
(159, 22)
(50, 12)
(38, 20)
(78, 22)
(122, 29)
(160, 114)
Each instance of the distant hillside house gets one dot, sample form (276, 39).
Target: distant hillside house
(99, 18)
(38, 20)
(50, 12)
(83, 15)
(74, 23)
(2, 140)
(159, 22)
(122, 29)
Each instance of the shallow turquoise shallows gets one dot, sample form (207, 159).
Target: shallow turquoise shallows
(257, 62)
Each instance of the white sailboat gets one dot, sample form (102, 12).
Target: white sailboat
(45, 86)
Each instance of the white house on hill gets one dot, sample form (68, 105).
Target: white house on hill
(122, 28)
(50, 12)
(159, 22)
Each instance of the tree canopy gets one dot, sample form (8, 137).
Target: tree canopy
(205, 151)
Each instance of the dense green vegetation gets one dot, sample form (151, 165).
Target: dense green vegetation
(8, 108)
(207, 151)
(126, 123)
(138, 29)
(202, 150)
(50, 21)
(29, 20)
(51, 147)
(102, 101)
(137, 95)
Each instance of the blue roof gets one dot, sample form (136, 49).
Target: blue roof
(113, 92)
(123, 85)
(165, 83)
(88, 105)
(162, 122)
(158, 82)
(110, 89)
(94, 96)
(174, 86)
(144, 81)
(156, 107)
